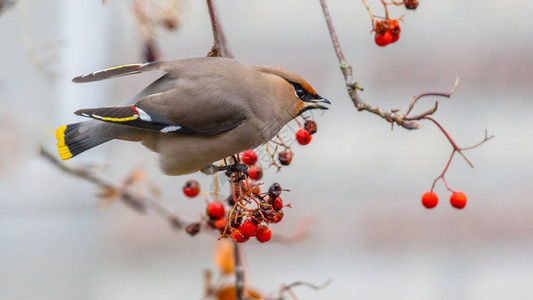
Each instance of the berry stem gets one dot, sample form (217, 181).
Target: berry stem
(271, 154)
(429, 112)
(441, 176)
(386, 9)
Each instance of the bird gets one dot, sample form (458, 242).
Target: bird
(200, 111)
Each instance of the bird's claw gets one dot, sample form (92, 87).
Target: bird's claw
(230, 169)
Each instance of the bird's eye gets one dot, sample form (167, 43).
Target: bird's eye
(300, 93)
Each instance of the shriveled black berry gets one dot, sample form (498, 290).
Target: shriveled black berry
(193, 228)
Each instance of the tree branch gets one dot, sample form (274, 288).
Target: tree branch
(353, 87)
(239, 272)
(139, 203)
(219, 39)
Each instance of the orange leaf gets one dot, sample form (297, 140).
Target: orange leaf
(224, 256)
(228, 293)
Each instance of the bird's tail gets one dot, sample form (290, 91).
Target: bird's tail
(74, 139)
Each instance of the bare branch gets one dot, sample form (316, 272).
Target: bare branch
(220, 47)
(138, 203)
(416, 98)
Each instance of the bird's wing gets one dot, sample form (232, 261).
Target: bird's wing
(165, 113)
(117, 72)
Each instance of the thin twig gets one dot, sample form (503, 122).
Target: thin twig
(288, 288)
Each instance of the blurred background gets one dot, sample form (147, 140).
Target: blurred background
(358, 181)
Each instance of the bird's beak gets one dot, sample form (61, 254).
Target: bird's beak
(315, 103)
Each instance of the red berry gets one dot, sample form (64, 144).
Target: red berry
(303, 136)
(249, 228)
(430, 199)
(395, 37)
(383, 39)
(238, 237)
(458, 200)
(255, 172)
(285, 157)
(310, 126)
(220, 224)
(191, 188)
(278, 203)
(249, 157)
(215, 210)
(264, 234)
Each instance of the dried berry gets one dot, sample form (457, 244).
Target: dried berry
(278, 216)
(411, 4)
(235, 222)
(193, 228)
(274, 190)
(191, 188)
(269, 214)
(381, 27)
(285, 157)
(310, 126)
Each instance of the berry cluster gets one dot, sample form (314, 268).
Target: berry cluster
(387, 32)
(247, 212)
(240, 222)
(457, 199)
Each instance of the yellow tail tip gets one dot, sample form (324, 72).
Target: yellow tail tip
(62, 148)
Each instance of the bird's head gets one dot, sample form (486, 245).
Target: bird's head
(298, 92)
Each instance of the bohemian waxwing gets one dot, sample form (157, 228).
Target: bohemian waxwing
(201, 111)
